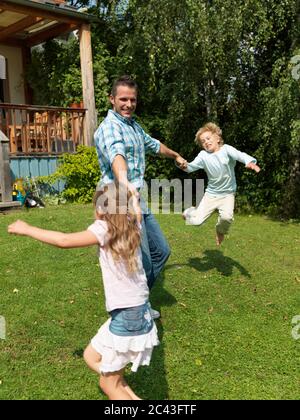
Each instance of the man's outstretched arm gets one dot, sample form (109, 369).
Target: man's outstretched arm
(169, 153)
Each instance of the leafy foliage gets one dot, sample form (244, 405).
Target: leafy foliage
(197, 61)
(219, 60)
(81, 173)
(55, 74)
(279, 150)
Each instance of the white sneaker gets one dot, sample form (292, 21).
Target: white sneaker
(187, 212)
(155, 314)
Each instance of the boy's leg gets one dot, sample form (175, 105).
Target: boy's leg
(155, 248)
(225, 208)
(197, 216)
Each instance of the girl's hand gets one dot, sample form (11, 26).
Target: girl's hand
(18, 228)
(253, 166)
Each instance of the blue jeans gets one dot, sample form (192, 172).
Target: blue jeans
(155, 248)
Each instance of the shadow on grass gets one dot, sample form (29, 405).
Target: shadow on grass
(150, 382)
(214, 259)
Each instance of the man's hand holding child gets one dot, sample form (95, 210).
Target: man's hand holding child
(181, 162)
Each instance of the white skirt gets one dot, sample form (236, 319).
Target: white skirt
(117, 351)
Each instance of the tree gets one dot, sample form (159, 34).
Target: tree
(202, 60)
(218, 60)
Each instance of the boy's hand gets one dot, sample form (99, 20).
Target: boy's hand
(253, 166)
(18, 228)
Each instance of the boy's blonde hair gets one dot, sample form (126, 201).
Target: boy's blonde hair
(114, 205)
(213, 128)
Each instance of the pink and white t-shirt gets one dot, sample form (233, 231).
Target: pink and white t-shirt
(122, 289)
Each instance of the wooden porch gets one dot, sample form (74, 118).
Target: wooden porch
(37, 130)
(32, 129)
(37, 133)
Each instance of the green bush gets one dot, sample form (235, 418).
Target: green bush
(80, 172)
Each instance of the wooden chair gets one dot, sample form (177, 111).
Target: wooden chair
(16, 135)
(38, 132)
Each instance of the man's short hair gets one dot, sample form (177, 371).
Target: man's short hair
(123, 81)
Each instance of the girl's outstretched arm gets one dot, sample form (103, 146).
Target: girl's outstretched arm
(58, 239)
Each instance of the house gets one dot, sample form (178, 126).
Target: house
(32, 137)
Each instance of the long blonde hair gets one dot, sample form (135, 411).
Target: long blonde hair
(114, 205)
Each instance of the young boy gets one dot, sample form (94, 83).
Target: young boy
(218, 161)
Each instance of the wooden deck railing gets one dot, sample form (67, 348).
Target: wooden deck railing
(36, 130)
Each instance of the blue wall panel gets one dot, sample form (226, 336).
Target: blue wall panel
(29, 167)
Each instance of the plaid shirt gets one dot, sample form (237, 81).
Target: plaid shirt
(117, 135)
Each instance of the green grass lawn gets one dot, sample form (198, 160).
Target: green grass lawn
(226, 325)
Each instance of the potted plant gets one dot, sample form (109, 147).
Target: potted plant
(76, 104)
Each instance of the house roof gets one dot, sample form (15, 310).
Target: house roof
(28, 23)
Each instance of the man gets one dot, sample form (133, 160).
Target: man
(121, 146)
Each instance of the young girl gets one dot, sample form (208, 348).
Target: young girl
(218, 160)
(129, 335)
